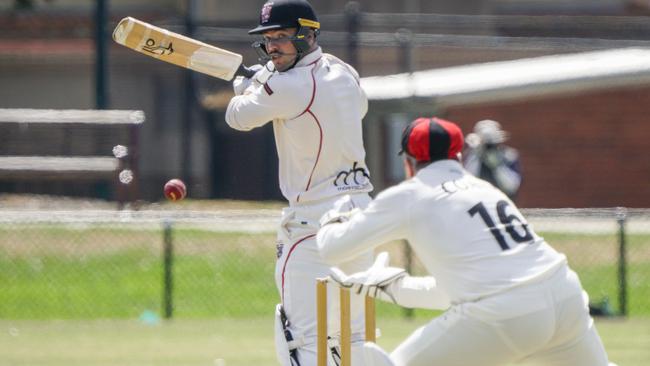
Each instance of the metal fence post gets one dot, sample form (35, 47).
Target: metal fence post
(168, 256)
(405, 38)
(101, 55)
(353, 18)
(621, 218)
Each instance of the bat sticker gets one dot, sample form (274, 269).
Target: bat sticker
(160, 50)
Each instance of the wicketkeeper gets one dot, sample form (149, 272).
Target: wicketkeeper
(509, 297)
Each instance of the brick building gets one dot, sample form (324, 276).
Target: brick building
(47, 58)
(579, 121)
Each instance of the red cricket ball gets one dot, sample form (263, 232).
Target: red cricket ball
(175, 190)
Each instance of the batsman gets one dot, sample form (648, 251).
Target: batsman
(315, 103)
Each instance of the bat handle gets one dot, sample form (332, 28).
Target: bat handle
(245, 71)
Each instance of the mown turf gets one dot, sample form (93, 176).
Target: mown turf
(219, 342)
(97, 272)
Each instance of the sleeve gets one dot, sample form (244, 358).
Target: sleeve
(355, 75)
(364, 97)
(364, 100)
(418, 293)
(276, 99)
(385, 219)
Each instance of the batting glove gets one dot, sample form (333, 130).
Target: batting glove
(241, 83)
(264, 74)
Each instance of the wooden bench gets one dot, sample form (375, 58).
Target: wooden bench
(64, 145)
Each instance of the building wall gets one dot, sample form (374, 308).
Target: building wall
(249, 9)
(577, 150)
(48, 76)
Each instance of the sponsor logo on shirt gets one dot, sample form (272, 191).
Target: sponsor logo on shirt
(355, 178)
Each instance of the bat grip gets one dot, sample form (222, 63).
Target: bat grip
(245, 71)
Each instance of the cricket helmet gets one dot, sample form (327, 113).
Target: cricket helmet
(280, 14)
(432, 139)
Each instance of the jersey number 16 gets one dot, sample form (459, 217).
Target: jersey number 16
(506, 220)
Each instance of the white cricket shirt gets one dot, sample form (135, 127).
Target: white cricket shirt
(316, 109)
(467, 234)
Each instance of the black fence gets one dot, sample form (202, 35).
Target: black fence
(154, 264)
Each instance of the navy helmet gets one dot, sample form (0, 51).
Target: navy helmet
(281, 14)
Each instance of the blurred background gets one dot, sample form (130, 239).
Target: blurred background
(95, 269)
(567, 128)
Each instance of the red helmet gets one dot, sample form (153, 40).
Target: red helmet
(432, 139)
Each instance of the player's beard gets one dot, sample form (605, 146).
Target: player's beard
(283, 61)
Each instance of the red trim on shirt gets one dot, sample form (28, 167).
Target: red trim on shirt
(320, 147)
(284, 267)
(320, 129)
(268, 89)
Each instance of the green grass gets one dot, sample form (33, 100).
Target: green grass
(107, 286)
(98, 281)
(97, 272)
(239, 342)
(72, 277)
(595, 258)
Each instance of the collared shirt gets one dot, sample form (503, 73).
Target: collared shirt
(316, 109)
(468, 234)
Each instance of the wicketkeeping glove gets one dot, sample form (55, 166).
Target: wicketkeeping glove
(373, 282)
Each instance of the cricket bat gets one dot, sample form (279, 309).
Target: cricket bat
(179, 50)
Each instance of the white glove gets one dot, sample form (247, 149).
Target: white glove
(264, 73)
(261, 76)
(373, 282)
(241, 83)
(342, 210)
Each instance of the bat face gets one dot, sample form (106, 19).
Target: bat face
(176, 49)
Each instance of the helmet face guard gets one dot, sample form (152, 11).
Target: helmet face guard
(299, 40)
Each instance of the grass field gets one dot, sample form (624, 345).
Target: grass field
(238, 342)
(99, 272)
(104, 285)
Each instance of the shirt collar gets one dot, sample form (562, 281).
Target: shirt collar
(442, 170)
(310, 57)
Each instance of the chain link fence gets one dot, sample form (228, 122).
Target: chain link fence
(154, 264)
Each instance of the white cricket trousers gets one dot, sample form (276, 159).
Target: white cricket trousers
(545, 323)
(298, 267)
